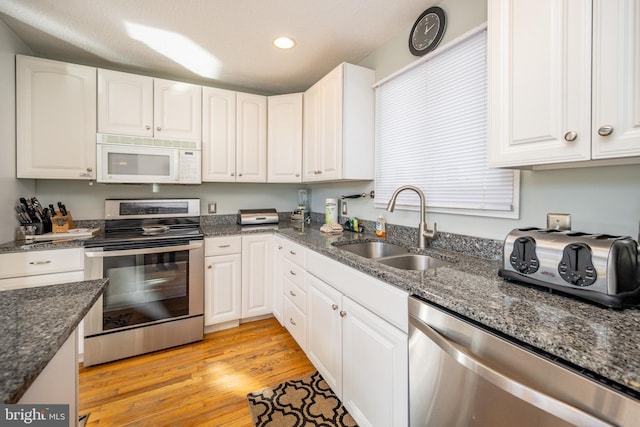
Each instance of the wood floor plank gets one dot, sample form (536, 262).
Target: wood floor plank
(199, 384)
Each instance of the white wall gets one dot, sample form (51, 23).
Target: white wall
(602, 199)
(10, 188)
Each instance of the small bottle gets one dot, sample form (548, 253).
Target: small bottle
(381, 227)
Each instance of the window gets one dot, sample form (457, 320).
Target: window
(431, 132)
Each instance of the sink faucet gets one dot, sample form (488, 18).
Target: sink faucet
(423, 232)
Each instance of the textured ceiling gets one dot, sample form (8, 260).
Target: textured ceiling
(217, 42)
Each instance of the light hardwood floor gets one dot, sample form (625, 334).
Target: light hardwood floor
(200, 384)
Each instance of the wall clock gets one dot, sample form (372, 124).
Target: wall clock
(427, 31)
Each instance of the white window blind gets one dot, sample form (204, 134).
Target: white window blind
(431, 132)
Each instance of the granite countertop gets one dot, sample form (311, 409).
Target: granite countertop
(600, 340)
(34, 323)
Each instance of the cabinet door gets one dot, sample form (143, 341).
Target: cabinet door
(222, 290)
(55, 119)
(616, 79)
(257, 275)
(284, 142)
(324, 331)
(278, 278)
(177, 110)
(218, 135)
(125, 103)
(539, 81)
(375, 368)
(331, 125)
(311, 135)
(251, 138)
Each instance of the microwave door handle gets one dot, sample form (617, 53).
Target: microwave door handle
(519, 390)
(125, 252)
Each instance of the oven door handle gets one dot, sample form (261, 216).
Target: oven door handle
(125, 252)
(546, 403)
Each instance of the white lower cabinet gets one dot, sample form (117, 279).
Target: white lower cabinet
(222, 286)
(257, 275)
(361, 357)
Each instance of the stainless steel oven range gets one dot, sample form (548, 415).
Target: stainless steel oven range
(152, 254)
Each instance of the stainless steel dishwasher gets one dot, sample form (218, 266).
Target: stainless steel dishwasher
(463, 375)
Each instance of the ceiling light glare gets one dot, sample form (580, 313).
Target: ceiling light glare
(284, 43)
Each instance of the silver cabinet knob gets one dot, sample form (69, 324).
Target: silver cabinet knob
(292, 321)
(605, 130)
(293, 273)
(89, 169)
(293, 294)
(570, 136)
(158, 128)
(334, 307)
(279, 247)
(147, 127)
(297, 175)
(233, 174)
(240, 174)
(209, 266)
(343, 313)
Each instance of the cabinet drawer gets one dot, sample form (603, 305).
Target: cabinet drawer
(41, 262)
(295, 322)
(41, 280)
(296, 295)
(295, 253)
(222, 245)
(294, 272)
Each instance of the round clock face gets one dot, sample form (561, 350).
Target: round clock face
(427, 31)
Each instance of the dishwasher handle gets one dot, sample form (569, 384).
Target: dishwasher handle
(521, 391)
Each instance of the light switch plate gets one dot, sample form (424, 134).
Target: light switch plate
(559, 221)
(213, 207)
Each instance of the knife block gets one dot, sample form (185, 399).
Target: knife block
(61, 223)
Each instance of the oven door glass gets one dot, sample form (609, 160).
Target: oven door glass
(145, 288)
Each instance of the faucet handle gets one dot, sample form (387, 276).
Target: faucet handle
(431, 234)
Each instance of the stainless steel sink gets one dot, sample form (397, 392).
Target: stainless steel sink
(413, 262)
(374, 250)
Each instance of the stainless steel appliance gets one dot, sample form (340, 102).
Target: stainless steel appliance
(257, 216)
(152, 252)
(597, 267)
(463, 375)
(123, 159)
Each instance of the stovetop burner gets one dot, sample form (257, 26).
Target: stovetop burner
(127, 225)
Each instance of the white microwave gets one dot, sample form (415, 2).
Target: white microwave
(168, 163)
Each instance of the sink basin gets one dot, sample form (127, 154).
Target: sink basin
(374, 249)
(413, 262)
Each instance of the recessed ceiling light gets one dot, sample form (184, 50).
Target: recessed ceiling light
(284, 43)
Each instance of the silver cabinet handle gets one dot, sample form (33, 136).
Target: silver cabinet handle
(223, 246)
(292, 322)
(605, 130)
(570, 136)
(343, 313)
(293, 294)
(39, 262)
(521, 391)
(334, 307)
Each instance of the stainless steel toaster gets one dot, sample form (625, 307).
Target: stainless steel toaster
(597, 267)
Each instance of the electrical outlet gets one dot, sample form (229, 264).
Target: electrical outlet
(559, 221)
(213, 207)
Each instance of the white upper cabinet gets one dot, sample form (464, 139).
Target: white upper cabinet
(218, 135)
(284, 138)
(234, 136)
(251, 137)
(338, 126)
(55, 119)
(130, 104)
(546, 59)
(125, 103)
(616, 79)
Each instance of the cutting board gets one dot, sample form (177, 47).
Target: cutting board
(75, 233)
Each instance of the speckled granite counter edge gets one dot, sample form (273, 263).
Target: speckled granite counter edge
(35, 323)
